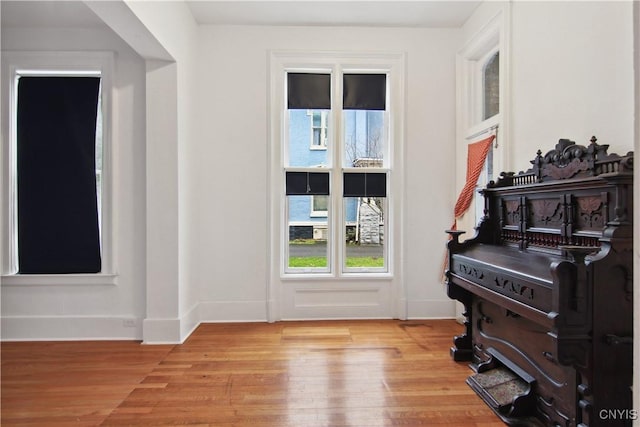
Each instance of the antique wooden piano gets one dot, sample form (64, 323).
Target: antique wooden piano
(547, 288)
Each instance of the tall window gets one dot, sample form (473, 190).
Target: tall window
(481, 106)
(345, 184)
(57, 171)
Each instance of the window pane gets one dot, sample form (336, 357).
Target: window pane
(491, 86)
(365, 138)
(308, 135)
(58, 223)
(364, 233)
(307, 234)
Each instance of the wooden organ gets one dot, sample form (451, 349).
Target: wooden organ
(547, 288)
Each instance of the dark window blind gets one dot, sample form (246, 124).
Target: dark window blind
(364, 91)
(307, 183)
(308, 91)
(364, 184)
(57, 201)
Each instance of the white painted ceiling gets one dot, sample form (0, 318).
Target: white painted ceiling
(379, 13)
(370, 13)
(48, 14)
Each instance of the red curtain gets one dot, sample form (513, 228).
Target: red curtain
(476, 156)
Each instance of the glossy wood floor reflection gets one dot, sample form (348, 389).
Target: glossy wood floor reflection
(297, 374)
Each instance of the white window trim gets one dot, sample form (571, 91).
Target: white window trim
(471, 59)
(56, 63)
(331, 295)
(338, 64)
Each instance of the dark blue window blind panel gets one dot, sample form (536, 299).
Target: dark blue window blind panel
(364, 184)
(307, 183)
(364, 91)
(58, 228)
(308, 91)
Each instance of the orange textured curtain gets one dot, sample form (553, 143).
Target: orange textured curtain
(476, 156)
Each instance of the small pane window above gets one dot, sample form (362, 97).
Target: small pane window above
(491, 86)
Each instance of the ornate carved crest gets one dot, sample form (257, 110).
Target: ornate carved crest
(569, 160)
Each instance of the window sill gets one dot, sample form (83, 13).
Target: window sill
(322, 275)
(58, 279)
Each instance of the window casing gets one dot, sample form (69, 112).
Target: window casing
(482, 67)
(57, 64)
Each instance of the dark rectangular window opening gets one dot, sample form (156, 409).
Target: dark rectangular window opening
(57, 206)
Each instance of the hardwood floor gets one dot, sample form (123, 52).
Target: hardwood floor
(297, 374)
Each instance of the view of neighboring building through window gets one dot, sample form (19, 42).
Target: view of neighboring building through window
(361, 145)
(318, 129)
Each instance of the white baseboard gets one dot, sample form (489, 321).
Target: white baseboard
(232, 311)
(161, 331)
(431, 309)
(68, 328)
(189, 322)
(170, 331)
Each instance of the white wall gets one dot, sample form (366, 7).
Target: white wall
(231, 260)
(164, 34)
(572, 76)
(172, 24)
(93, 311)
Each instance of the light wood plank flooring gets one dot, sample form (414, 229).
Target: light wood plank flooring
(297, 374)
